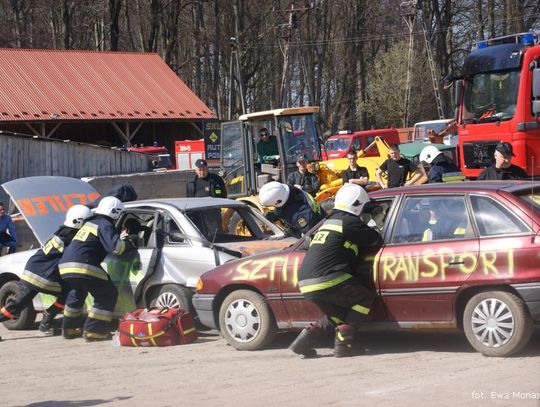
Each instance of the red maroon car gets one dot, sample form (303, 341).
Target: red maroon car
(461, 256)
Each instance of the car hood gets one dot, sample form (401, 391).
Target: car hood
(258, 246)
(44, 201)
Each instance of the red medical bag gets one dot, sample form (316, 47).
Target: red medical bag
(157, 327)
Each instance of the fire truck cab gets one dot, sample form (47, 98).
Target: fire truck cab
(498, 95)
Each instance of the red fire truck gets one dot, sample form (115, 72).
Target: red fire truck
(498, 96)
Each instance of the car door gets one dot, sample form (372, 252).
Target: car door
(128, 272)
(507, 248)
(431, 250)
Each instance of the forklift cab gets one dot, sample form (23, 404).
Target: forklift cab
(297, 135)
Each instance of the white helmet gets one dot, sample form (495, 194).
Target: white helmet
(351, 198)
(110, 206)
(76, 215)
(429, 153)
(274, 194)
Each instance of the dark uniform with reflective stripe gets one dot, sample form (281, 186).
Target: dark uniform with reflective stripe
(80, 267)
(443, 170)
(300, 212)
(327, 276)
(213, 185)
(41, 274)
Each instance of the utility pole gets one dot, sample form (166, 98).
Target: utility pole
(409, 10)
(285, 34)
(235, 73)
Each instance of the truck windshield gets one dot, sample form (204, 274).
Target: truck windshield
(299, 137)
(491, 96)
(338, 144)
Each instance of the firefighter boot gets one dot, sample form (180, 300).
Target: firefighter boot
(305, 342)
(97, 336)
(344, 343)
(47, 324)
(72, 333)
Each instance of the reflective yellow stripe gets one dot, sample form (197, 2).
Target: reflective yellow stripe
(352, 246)
(133, 341)
(188, 331)
(453, 177)
(86, 272)
(336, 320)
(121, 247)
(51, 286)
(325, 285)
(53, 243)
(72, 312)
(87, 229)
(427, 235)
(335, 228)
(360, 309)
(340, 337)
(101, 317)
(150, 334)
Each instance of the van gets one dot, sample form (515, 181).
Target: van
(338, 145)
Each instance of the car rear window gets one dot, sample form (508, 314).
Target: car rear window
(493, 218)
(532, 199)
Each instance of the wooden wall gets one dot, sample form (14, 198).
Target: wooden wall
(27, 157)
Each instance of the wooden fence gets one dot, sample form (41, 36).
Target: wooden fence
(27, 156)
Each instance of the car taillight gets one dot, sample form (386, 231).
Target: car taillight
(199, 285)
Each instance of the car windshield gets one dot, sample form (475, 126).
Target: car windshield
(491, 96)
(232, 224)
(338, 144)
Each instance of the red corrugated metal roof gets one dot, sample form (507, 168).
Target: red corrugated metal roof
(38, 85)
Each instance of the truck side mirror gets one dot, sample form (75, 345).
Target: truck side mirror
(458, 92)
(536, 91)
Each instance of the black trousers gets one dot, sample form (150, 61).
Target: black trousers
(347, 303)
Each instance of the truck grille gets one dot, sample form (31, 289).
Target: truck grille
(479, 154)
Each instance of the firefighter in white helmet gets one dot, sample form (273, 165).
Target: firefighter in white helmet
(442, 168)
(41, 272)
(328, 274)
(297, 209)
(80, 267)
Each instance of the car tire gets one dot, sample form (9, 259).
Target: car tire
(27, 317)
(497, 323)
(172, 296)
(246, 320)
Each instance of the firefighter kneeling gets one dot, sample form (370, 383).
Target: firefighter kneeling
(327, 279)
(80, 268)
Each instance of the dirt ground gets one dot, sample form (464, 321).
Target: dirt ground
(400, 369)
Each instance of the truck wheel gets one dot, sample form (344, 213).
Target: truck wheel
(172, 296)
(9, 292)
(497, 323)
(246, 320)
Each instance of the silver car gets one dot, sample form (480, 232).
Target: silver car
(179, 239)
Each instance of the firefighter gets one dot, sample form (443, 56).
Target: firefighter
(80, 267)
(328, 278)
(442, 168)
(297, 209)
(41, 271)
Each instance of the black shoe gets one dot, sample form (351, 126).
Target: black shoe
(47, 322)
(304, 343)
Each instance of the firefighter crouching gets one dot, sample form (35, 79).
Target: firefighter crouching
(41, 271)
(327, 278)
(80, 268)
(297, 209)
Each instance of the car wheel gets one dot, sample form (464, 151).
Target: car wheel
(172, 296)
(9, 292)
(246, 321)
(497, 323)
